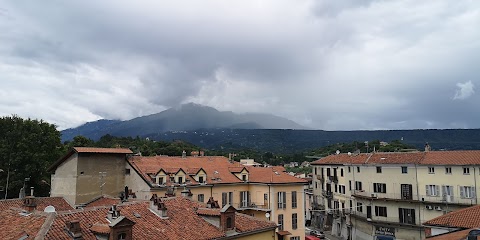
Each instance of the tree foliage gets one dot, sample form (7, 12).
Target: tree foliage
(27, 148)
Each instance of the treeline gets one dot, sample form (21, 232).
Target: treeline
(362, 147)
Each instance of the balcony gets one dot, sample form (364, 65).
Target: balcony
(252, 206)
(332, 179)
(327, 194)
(398, 197)
(382, 220)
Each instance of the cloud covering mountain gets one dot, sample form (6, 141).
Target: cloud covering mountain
(333, 65)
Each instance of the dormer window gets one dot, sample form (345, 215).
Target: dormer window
(160, 180)
(180, 179)
(244, 177)
(200, 179)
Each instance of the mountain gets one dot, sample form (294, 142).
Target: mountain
(183, 118)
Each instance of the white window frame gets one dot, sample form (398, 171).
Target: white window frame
(466, 171)
(467, 192)
(448, 170)
(432, 190)
(431, 170)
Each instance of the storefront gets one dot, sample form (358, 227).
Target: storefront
(384, 233)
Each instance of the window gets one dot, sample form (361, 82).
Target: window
(447, 191)
(244, 177)
(379, 169)
(230, 198)
(295, 238)
(359, 207)
(122, 236)
(316, 184)
(467, 192)
(404, 169)
(280, 222)
(281, 200)
(358, 169)
(224, 199)
(328, 172)
(431, 170)
(294, 199)
(349, 169)
(315, 169)
(341, 172)
(380, 211)
(380, 187)
(358, 185)
(466, 170)
(127, 171)
(200, 179)
(432, 190)
(448, 170)
(201, 197)
(229, 223)
(342, 189)
(406, 215)
(160, 180)
(350, 185)
(336, 188)
(294, 221)
(180, 179)
(244, 198)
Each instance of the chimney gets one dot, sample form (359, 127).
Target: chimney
(73, 228)
(202, 153)
(184, 154)
(113, 213)
(186, 193)
(212, 203)
(30, 203)
(31, 191)
(227, 218)
(158, 207)
(427, 147)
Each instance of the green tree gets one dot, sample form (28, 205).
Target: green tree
(27, 148)
(80, 141)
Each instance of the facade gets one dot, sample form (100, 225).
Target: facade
(86, 173)
(264, 193)
(389, 195)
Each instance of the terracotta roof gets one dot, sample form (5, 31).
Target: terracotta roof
(421, 158)
(452, 158)
(42, 202)
(396, 158)
(183, 221)
(458, 235)
(208, 212)
(271, 175)
(342, 159)
(103, 201)
(463, 218)
(88, 150)
(14, 225)
(218, 169)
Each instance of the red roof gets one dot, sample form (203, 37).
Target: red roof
(218, 169)
(458, 235)
(421, 158)
(183, 221)
(463, 218)
(42, 202)
(14, 224)
(103, 201)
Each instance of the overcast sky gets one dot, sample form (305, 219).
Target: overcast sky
(333, 65)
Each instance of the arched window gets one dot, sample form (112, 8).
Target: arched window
(229, 222)
(122, 236)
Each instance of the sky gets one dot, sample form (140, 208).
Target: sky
(331, 65)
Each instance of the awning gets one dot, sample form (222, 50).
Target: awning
(284, 233)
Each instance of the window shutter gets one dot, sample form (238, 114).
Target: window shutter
(248, 197)
(473, 191)
(437, 190)
(284, 199)
(444, 190)
(462, 193)
(428, 190)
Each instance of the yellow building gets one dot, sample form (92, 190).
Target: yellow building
(389, 195)
(265, 193)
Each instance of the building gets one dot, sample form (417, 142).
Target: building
(389, 195)
(86, 173)
(457, 225)
(265, 193)
(157, 218)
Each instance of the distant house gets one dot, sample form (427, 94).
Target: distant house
(250, 162)
(456, 225)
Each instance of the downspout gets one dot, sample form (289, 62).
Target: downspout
(475, 179)
(418, 196)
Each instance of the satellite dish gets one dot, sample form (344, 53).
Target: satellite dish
(337, 152)
(349, 154)
(49, 209)
(267, 215)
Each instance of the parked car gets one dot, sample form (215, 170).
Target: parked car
(318, 234)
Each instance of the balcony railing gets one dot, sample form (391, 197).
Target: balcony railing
(252, 205)
(390, 220)
(415, 197)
